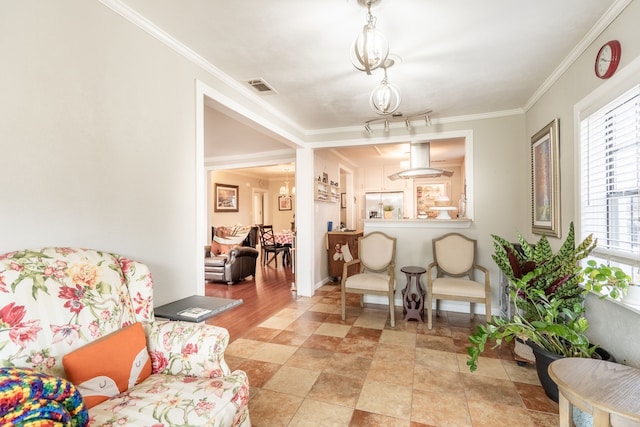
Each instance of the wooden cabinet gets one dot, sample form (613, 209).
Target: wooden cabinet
(337, 240)
(326, 192)
(376, 178)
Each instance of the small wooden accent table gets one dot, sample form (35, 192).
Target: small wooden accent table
(608, 391)
(413, 302)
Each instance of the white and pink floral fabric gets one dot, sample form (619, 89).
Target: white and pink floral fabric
(55, 300)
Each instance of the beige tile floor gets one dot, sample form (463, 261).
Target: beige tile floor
(308, 367)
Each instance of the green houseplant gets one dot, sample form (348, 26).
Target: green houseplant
(388, 209)
(548, 291)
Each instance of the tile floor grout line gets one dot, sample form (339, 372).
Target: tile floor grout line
(493, 386)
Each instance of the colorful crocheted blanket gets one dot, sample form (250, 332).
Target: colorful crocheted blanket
(33, 399)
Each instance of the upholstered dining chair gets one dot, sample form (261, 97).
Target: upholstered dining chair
(454, 262)
(376, 259)
(268, 246)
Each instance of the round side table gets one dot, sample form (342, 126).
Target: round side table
(413, 296)
(606, 390)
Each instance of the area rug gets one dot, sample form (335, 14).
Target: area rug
(195, 308)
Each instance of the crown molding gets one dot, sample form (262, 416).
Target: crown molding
(605, 20)
(143, 23)
(140, 21)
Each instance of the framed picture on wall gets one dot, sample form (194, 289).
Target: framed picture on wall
(545, 181)
(284, 203)
(225, 198)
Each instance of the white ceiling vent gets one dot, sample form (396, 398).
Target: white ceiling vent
(261, 86)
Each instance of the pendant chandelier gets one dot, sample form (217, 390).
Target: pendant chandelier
(284, 190)
(385, 98)
(370, 49)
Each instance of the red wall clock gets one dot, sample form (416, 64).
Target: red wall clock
(608, 59)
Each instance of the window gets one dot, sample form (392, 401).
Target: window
(610, 181)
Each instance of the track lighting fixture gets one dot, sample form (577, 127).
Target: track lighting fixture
(398, 117)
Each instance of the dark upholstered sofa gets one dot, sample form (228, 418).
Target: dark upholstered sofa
(234, 266)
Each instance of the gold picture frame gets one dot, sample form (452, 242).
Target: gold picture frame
(545, 180)
(225, 198)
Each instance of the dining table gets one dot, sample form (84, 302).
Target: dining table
(283, 238)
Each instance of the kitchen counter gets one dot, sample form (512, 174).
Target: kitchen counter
(417, 223)
(414, 248)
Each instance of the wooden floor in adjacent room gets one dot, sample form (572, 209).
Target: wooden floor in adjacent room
(263, 296)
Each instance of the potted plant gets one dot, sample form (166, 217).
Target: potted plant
(606, 280)
(545, 288)
(633, 294)
(388, 211)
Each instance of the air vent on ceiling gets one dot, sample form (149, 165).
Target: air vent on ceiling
(261, 86)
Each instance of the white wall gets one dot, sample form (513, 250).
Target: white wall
(96, 120)
(324, 162)
(612, 326)
(97, 139)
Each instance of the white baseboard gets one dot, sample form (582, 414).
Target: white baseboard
(454, 306)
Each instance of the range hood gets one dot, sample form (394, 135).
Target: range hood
(420, 166)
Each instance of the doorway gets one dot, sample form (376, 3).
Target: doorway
(258, 206)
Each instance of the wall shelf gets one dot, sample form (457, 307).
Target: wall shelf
(325, 192)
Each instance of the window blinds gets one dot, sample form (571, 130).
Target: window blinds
(610, 178)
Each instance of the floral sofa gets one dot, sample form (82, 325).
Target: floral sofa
(64, 312)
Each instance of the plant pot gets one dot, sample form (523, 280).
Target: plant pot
(544, 359)
(633, 295)
(388, 214)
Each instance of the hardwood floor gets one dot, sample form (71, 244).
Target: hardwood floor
(263, 296)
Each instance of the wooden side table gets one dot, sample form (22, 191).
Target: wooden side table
(413, 302)
(608, 391)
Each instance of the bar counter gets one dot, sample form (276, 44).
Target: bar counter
(417, 223)
(414, 248)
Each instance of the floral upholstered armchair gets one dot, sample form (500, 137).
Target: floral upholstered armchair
(87, 316)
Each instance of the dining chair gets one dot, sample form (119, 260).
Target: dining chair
(268, 245)
(454, 264)
(376, 259)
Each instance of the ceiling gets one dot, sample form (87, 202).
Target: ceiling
(457, 58)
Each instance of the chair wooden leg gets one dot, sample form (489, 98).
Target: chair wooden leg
(471, 310)
(487, 307)
(343, 300)
(429, 311)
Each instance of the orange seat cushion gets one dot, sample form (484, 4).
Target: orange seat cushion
(109, 365)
